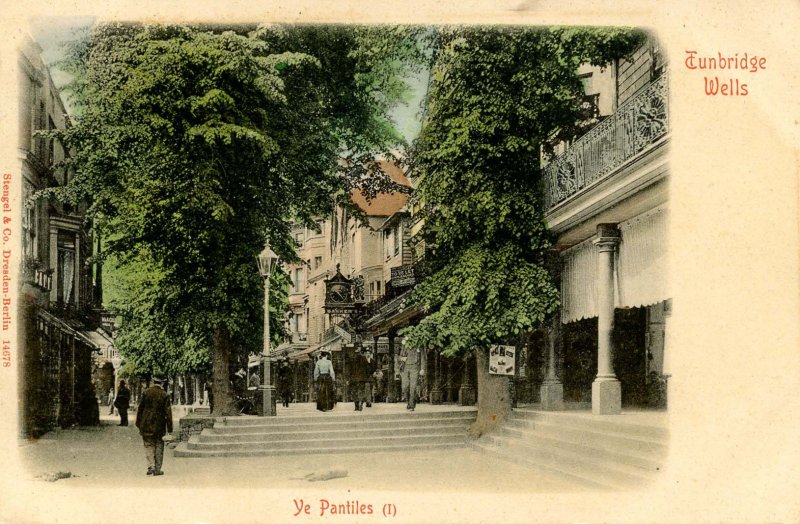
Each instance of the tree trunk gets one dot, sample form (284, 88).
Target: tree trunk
(221, 382)
(494, 400)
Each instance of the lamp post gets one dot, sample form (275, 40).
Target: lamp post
(267, 260)
(116, 361)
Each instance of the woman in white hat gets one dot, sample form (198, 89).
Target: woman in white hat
(324, 377)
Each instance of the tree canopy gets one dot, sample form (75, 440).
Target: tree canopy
(497, 98)
(196, 146)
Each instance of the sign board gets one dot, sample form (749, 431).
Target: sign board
(403, 276)
(253, 361)
(501, 360)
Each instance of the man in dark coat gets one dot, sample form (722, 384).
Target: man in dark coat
(122, 403)
(412, 366)
(360, 375)
(285, 381)
(154, 420)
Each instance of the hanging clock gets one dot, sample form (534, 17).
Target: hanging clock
(338, 293)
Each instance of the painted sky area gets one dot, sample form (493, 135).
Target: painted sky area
(53, 33)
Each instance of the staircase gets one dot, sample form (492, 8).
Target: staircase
(611, 452)
(330, 433)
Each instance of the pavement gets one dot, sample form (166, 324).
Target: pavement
(110, 456)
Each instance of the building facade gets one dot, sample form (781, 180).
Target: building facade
(606, 202)
(59, 335)
(377, 254)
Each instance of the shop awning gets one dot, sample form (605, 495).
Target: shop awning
(97, 339)
(641, 269)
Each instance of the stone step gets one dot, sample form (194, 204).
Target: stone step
(483, 446)
(626, 423)
(630, 456)
(342, 423)
(596, 473)
(598, 467)
(346, 416)
(295, 433)
(594, 435)
(182, 450)
(425, 438)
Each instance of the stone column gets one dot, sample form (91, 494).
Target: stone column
(54, 264)
(391, 393)
(606, 389)
(436, 387)
(77, 276)
(666, 366)
(376, 359)
(448, 375)
(466, 393)
(551, 390)
(197, 395)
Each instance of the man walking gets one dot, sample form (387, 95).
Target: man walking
(412, 366)
(111, 401)
(123, 402)
(154, 420)
(285, 381)
(360, 375)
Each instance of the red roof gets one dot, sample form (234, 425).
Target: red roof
(384, 204)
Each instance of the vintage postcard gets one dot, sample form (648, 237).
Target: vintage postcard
(371, 262)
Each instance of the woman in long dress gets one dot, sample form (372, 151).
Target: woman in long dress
(324, 377)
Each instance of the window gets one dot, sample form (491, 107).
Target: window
(298, 239)
(30, 224)
(658, 60)
(298, 282)
(40, 123)
(588, 85)
(66, 271)
(51, 153)
(378, 287)
(317, 262)
(396, 235)
(387, 242)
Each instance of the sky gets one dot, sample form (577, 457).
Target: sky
(53, 32)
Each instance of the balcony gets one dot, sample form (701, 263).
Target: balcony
(34, 275)
(639, 123)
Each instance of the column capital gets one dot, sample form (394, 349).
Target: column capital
(608, 237)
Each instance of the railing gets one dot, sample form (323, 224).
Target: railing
(638, 123)
(33, 274)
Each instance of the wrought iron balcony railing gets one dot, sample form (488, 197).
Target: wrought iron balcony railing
(34, 275)
(638, 123)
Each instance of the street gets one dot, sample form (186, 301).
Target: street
(106, 467)
(114, 456)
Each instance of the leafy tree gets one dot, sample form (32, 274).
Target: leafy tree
(195, 147)
(497, 99)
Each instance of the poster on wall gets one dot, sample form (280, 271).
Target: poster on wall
(501, 360)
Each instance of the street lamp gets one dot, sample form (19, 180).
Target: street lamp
(267, 260)
(116, 361)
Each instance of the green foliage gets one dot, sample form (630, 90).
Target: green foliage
(195, 146)
(497, 96)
